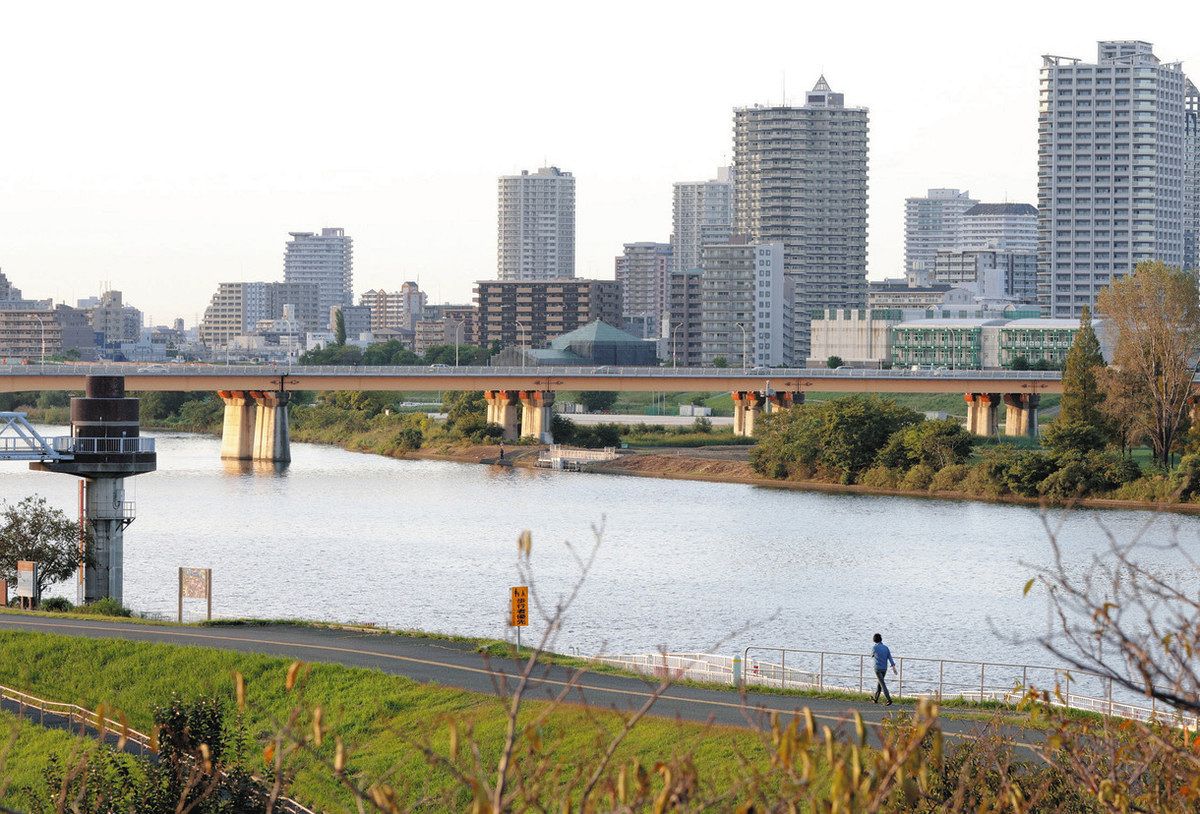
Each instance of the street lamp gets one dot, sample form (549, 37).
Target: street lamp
(457, 333)
(744, 342)
(521, 324)
(674, 358)
(43, 326)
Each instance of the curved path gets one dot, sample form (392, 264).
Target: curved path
(458, 665)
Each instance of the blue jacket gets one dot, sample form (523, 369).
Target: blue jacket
(883, 656)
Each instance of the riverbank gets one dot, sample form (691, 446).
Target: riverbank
(720, 464)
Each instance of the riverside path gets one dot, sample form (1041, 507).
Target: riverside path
(458, 665)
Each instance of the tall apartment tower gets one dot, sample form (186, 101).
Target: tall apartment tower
(642, 271)
(800, 179)
(1110, 170)
(326, 259)
(703, 214)
(536, 217)
(1191, 179)
(746, 304)
(1006, 227)
(932, 224)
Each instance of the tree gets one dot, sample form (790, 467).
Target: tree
(1082, 398)
(339, 328)
(839, 438)
(1020, 363)
(33, 530)
(937, 444)
(597, 401)
(720, 361)
(1156, 315)
(834, 362)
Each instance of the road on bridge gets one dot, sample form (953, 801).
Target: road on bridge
(458, 665)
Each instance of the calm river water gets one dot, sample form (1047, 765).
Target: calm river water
(431, 545)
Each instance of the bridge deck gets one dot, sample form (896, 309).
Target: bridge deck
(200, 377)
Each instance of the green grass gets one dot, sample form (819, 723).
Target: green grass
(26, 749)
(378, 716)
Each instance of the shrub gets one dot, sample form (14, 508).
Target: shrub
(56, 603)
(989, 477)
(919, 478)
(949, 478)
(702, 425)
(409, 438)
(1185, 480)
(936, 444)
(1151, 488)
(105, 607)
(1068, 436)
(1027, 470)
(881, 477)
(1085, 474)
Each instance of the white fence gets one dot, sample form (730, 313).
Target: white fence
(560, 457)
(788, 669)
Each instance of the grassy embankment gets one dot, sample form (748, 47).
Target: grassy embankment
(378, 716)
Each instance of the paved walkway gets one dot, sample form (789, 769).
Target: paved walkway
(456, 664)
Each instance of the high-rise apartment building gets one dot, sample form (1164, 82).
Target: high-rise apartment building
(325, 260)
(642, 272)
(989, 274)
(398, 310)
(684, 334)
(1191, 174)
(932, 224)
(1006, 227)
(531, 312)
(800, 179)
(746, 304)
(703, 214)
(1110, 170)
(236, 308)
(536, 220)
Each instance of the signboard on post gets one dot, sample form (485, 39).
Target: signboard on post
(27, 582)
(195, 583)
(519, 610)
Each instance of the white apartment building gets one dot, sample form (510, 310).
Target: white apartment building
(703, 214)
(326, 260)
(989, 274)
(1110, 170)
(1191, 185)
(745, 304)
(642, 271)
(931, 224)
(237, 308)
(800, 179)
(1006, 227)
(536, 225)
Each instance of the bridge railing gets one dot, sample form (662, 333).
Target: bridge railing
(778, 374)
(826, 671)
(97, 446)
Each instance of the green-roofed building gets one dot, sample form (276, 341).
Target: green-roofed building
(596, 343)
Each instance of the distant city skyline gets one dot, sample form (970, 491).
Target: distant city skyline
(165, 182)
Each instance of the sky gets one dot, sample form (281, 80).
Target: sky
(161, 148)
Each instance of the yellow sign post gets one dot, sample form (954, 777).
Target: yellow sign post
(519, 610)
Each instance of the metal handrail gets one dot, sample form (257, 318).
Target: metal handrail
(131, 369)
(103, 724)
(86, 446)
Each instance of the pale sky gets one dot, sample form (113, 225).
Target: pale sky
(163, 148)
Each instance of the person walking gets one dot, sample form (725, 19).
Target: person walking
(883, 657)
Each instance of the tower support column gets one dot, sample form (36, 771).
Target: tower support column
(982, 412)
(272, 437)
(237, 431)
(537, 415)
(502, 410)
(1020, 414)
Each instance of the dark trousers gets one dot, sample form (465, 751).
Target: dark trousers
(882, 685)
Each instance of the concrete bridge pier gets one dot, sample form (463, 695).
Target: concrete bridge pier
(237, 433)
(272, 437)
(747, 405)
(779, 401)
(982, 412)
(537, 415)
(502, 410)
(1020, 414)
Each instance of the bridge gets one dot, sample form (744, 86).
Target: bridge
(521, 399)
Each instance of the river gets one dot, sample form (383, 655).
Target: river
(431, 545)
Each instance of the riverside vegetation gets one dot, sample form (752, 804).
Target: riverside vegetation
(1105, 414)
